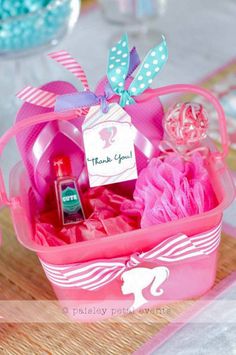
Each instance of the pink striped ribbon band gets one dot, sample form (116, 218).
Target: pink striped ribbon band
(37, 97)
(65, 59)
(44, 98)
(47, 99)
(93, 275)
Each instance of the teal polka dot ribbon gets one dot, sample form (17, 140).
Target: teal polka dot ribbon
(118, 66)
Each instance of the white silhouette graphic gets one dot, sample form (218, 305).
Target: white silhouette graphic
(137, 279)
(108, 134)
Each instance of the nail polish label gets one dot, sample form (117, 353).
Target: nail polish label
(70, 203)
(70, 200)
(109, 146)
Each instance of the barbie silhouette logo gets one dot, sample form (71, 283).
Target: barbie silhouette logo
(108, 134)
(136, 280)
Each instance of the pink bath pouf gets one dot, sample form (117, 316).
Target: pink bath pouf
(172, 188)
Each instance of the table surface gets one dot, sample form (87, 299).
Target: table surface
(201, 37)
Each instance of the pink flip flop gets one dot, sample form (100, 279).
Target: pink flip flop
(39, 143)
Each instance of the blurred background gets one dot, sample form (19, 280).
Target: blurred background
(200, 36)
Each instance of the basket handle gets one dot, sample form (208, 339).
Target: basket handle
(171, 89)
(21, 126)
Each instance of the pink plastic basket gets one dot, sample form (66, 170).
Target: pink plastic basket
(115, 275)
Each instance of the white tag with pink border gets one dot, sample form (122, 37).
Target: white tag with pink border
(109, 146)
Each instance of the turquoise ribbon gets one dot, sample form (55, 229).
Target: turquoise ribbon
(118, 66)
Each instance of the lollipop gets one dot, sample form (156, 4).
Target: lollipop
(186, 123)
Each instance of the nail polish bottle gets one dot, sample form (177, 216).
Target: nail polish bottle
(69, 205)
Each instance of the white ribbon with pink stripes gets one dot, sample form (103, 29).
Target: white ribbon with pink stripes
(67, 61)
(45, 98)
(93, 275)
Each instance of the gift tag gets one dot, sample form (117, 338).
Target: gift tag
(109, 146)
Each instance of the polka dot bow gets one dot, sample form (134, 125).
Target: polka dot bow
(118, 66)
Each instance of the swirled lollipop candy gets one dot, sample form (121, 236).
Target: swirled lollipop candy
(186, 123)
